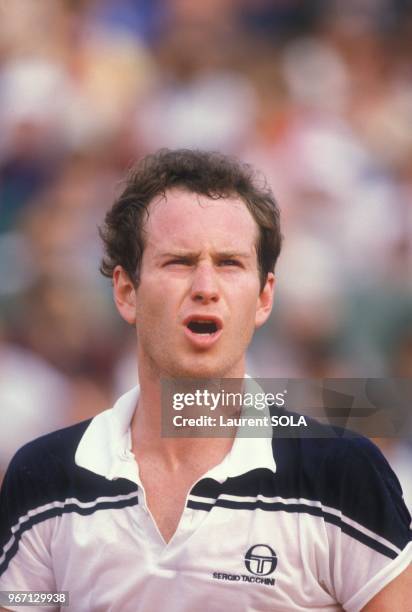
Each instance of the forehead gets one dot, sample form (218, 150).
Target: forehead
(188, 220)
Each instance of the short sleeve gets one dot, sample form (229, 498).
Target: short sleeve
(25, 561)
(370, 535)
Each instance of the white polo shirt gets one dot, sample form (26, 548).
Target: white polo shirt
(286, 524)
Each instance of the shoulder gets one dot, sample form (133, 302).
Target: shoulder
(330, 453)
(349, 479)
(59, 442)
(49, 453)
(42, 471)
(331, 459)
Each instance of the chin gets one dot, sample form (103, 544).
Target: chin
(202, 370)
(195, 372)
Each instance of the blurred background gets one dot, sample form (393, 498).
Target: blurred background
(315, 93)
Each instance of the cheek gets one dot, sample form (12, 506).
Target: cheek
(148, 294)
(245, 301)
(154, 306)
(244, 314)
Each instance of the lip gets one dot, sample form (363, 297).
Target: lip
(203, 340)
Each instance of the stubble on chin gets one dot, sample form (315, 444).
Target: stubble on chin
(192, 368)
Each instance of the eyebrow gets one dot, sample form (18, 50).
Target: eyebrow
(196, 254)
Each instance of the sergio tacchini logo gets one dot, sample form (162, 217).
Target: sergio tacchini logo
(261, 560)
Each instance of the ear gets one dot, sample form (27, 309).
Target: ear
(265, 301)
(124, 293)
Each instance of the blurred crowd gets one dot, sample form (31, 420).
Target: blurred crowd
(316, 94)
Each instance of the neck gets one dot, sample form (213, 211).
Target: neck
(173, 452)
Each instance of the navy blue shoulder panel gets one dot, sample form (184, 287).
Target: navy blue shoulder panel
(43, 472)
(347, 474)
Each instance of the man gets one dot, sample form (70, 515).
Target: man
(125, 519)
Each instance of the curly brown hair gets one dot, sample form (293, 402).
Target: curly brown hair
(206, 173)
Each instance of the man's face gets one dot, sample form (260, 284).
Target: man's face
(198, 300)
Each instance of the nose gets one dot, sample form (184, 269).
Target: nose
(205, 287)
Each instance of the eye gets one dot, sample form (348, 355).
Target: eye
(230, 262)
(179, 261)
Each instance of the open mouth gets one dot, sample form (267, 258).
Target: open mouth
(203, 327)
(203, 331)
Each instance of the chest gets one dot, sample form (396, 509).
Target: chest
(233, 558)
(165, 499)
(164, 493)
